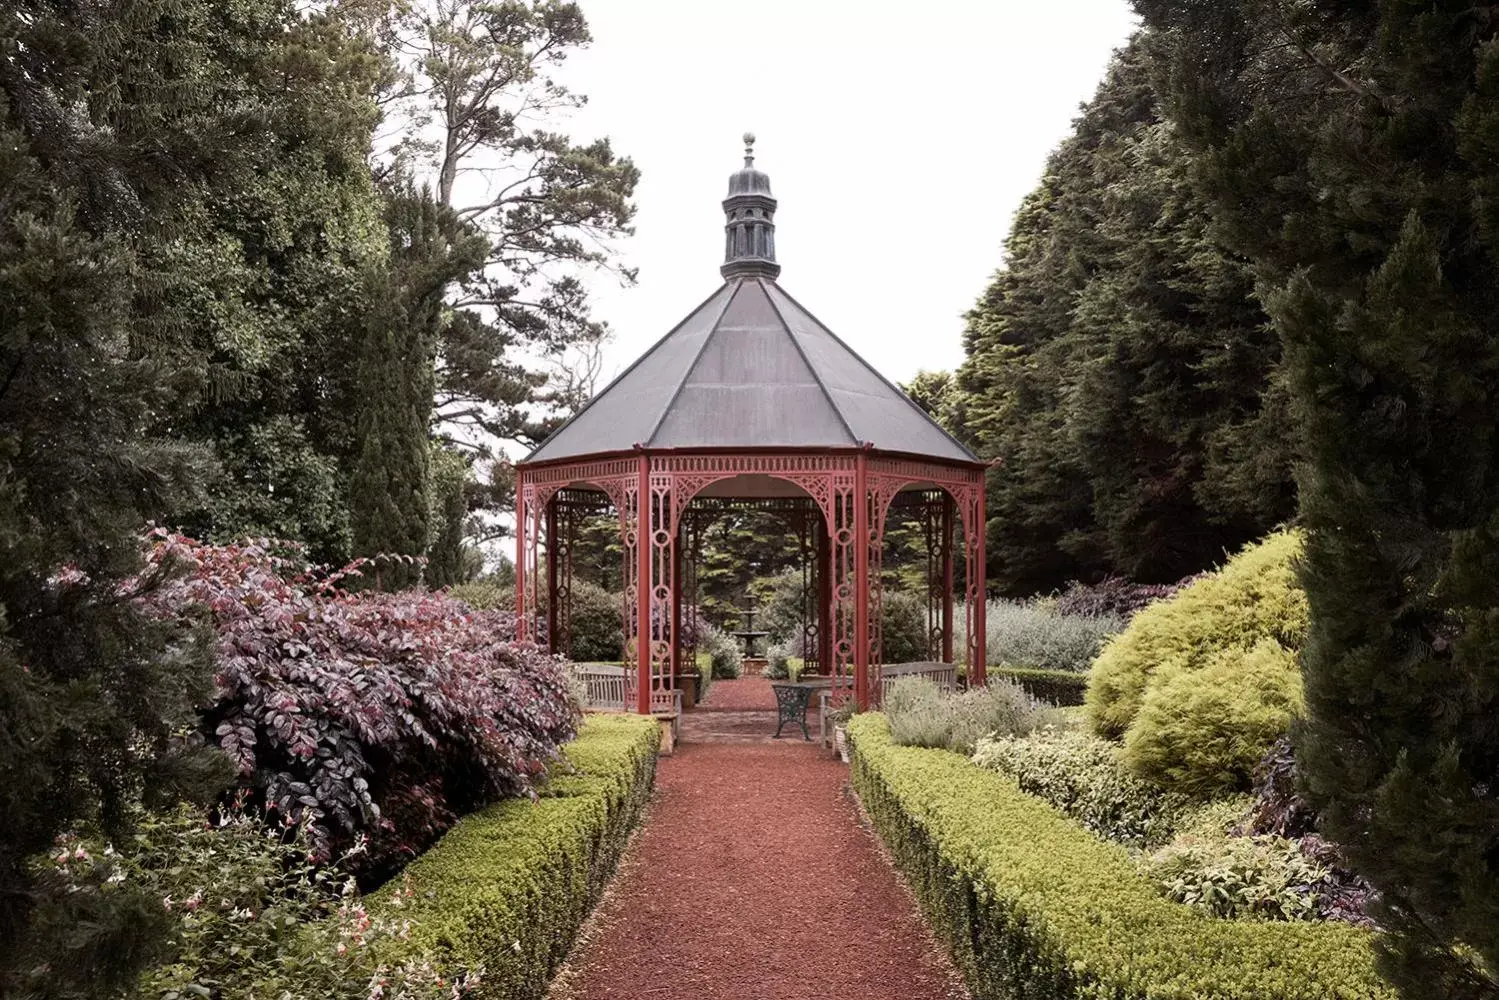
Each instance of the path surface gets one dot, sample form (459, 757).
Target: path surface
(754, 880)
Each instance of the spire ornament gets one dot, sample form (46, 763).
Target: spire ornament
(749, 222)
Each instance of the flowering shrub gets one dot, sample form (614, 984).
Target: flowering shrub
(386, 715)
(246, 915)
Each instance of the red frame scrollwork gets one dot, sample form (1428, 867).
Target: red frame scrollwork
(853, 491)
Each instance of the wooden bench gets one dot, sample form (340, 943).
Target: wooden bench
(944, 675)
(606, 689)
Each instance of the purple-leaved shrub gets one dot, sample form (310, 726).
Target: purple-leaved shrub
(360, 713)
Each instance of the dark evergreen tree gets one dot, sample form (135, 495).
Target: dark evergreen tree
(114, 136)
(407, 310)
(1352, 151)
(1120, 367)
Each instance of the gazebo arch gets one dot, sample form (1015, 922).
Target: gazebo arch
(750, 397)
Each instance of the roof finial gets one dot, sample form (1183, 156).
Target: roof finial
(749, 221)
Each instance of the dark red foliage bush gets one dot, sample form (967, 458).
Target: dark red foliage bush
(1114, 595)
(1280, 809)
(383, 715)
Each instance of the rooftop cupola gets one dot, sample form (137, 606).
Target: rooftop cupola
(749, 222)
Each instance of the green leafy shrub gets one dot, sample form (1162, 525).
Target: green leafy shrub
(507, 889)
(1034, 635)
(242, 913)
(1263, 877)
(726, 662)
(1204, 731)
(781, 663)
(921, 715)
(484, 595)
(903, 638)
(1082, 776)
(1032, 905)
(597, 624)
(1059, 687)
(1253, 598)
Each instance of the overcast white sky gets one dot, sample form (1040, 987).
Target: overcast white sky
(899, 139)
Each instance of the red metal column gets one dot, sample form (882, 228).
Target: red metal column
(978, 672)
(861, 581)
(947, 576)
(826, 625)
(643, 589)
(554, 642)
(676, 611)
(522, 627)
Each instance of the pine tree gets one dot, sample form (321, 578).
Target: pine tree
(1351, 151)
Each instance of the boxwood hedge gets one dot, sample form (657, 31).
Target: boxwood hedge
(1060, 687)
(508, 887)
(1031, 905)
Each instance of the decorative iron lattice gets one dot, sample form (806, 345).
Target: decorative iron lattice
(840, 526)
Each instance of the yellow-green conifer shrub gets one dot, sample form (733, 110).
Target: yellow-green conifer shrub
(1254, 597)
(1202, 731)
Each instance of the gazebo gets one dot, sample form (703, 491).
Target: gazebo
(751, 403)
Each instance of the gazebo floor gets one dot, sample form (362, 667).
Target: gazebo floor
(753, 878)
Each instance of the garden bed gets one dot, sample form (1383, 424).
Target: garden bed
(1032, 905)
(508, 887)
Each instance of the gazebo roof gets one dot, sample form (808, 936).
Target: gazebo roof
(750, 368)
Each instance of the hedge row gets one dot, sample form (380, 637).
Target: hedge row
(509, 886)
(1031, 905)
(1060, 687)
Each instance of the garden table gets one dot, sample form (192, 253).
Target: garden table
(791, 705)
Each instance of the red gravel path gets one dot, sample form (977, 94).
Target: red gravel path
(746, 694)
(754, 879)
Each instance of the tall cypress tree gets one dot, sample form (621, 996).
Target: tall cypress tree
(389, 495)
(1352, 151)
(1120, 366)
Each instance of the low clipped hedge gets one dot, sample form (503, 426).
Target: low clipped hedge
(1066, 688)
(508, 887)
(1032, 905)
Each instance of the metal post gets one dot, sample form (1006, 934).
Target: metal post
(522, 626)
(554, 639)
(826, 625)
(978, 670)
(861, 581)
(946, 541)
(643, 530)
(676, 611)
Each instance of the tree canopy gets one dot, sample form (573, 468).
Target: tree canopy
(1120, 366)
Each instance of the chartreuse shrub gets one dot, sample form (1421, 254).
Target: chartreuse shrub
(507, 888)
(1203, 731)
(1032, 905)
(1200, 686)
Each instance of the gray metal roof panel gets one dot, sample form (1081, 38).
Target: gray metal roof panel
(750, 367)
(627, 411)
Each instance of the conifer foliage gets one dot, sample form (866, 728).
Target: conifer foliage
(1120, 366)
(1352, 152)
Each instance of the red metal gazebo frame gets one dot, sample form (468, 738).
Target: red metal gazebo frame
(650, 490)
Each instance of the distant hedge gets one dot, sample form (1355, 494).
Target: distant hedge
(1032, 905)
(1060, 687)
(509, 886)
